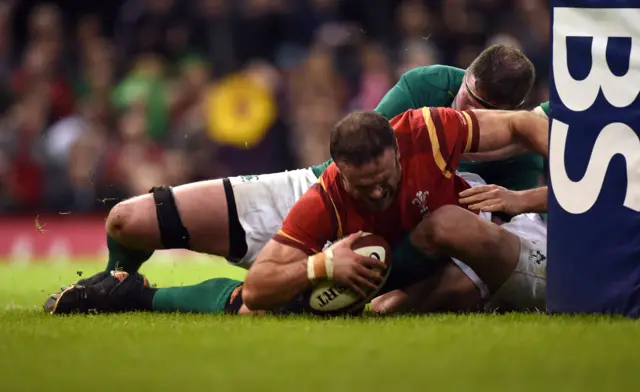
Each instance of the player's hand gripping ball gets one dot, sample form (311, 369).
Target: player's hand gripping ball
(328, 298)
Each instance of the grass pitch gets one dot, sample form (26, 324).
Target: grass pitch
(170, 352)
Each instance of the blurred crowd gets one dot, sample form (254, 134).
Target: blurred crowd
(103, 101)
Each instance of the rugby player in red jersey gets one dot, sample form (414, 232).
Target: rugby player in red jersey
(397, 179)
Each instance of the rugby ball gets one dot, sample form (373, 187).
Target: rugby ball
(327, 298)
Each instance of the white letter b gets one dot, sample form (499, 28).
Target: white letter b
(600, 24)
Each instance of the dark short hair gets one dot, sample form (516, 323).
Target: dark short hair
(504, 76)
(361, 137)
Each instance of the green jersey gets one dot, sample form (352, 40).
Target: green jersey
(437, 86)
(318, 169)
(433, 86)
(544, 106)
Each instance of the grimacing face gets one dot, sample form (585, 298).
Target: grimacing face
(374, 183)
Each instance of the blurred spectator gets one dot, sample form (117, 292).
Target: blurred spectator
(317, 96)
(108, 100)
(418, 29)
(415, 20)
(213, 34)
(21, 149)
(5, 43)
(418, 53)
(144, 88)
(376, 78)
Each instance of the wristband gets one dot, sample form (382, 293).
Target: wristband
(320, 266)
(328, 263)
(316, 267)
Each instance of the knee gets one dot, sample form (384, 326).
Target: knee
(433, 233)
(120, 218)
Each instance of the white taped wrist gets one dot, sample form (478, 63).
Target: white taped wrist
(328, 263)
(311, 271)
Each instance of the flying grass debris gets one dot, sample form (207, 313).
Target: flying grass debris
(106, 199)
(39, 227)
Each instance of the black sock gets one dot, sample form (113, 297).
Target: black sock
(146, 298)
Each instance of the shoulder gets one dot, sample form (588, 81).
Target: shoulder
(430, 117)
(309, 222)
(330, 185)
(309, 210)
(409, 121)
(449, 117)
(329, 175)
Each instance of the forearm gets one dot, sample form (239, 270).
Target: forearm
(532, 131)
(271, 284)
(534, 200)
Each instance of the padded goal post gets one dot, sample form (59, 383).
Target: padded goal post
(594, 158)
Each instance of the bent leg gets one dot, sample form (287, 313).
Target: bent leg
(133, 230)
(233, 218)
(202, 207)
(492, 252)
(196, 219)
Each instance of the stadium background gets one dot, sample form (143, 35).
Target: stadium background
(102, 100)
(82, 126)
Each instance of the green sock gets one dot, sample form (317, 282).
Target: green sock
(410, 265)
(127, 259)
(210, 296)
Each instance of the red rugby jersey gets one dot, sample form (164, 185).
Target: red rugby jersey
(431, 142)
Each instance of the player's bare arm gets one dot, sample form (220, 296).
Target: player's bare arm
(499, 129)
(506, 152)
(276, 277)
(283, 272)
(494, 198)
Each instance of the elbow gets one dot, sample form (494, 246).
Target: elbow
(252, 297)
(254, 300)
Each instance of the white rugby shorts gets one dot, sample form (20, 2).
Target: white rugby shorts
(263, 201)
(526, 287)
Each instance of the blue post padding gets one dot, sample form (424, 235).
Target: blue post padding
(594, 202)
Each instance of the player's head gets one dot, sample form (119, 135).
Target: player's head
(501, 77)
(363, 146)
